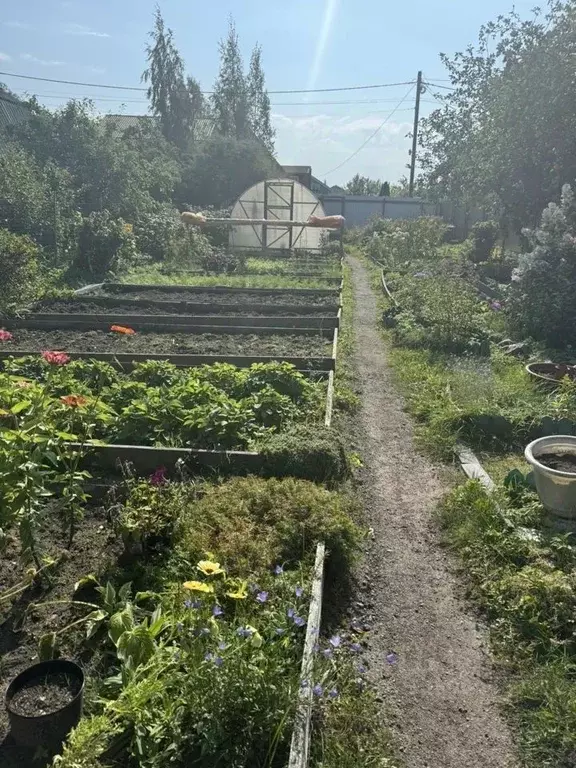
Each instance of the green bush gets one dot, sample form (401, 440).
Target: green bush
(396, 241)
(220, 261)
(156, 234)
(106, 246)
(18, 269)
(541, 301)
(482, 241)
(311, 453)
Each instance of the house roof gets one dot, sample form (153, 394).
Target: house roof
(12, 110)
(203, 127)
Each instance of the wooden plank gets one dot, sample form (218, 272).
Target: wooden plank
(300, 745)
(472, 467)
(121, 359)
(329, 400)
(87, 289)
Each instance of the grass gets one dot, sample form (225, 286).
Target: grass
(258, 266)
(152, 276)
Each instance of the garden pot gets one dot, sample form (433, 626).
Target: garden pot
(553, 461)
(551, 373)
(44, 703)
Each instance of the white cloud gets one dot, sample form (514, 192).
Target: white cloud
(42, 62)
(17, 25)
(4, 57)
(324, 141)
(82, 31)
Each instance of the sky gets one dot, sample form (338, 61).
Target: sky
(306, 44)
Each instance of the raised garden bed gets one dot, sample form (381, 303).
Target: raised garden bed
(216, 293)
(281, 345)
(126, 306)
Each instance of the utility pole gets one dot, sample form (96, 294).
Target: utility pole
(415, 133)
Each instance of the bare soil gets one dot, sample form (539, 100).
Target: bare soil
(207, 297)
(75, 307)
(45, 695)
(562, 462)
(426, 652)
(289, 345)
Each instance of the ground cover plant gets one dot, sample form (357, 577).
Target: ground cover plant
(291, 344)
(149, 275)
(200, 657)
(157, 404)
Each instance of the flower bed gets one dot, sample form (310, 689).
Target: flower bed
(205, 658)
(158, 404)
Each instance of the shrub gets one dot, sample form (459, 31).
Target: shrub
(18, 269)
(541, 301)
(394, 241)
(220, 261)
(106, 245)
(307, 452)
(482, 240)
(254, 523)
(156, 233)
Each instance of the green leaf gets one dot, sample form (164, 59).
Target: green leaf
(21, 406)
(86, 582)
(47, 646)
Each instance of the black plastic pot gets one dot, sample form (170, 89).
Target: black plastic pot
(49, 730)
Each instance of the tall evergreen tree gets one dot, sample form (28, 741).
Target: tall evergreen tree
(177, 101)
(230, 97)
(259, 102)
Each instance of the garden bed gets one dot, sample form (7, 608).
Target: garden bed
(290, 344)
(118, 306)
(219, 295)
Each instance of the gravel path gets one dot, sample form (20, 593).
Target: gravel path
(443, 701)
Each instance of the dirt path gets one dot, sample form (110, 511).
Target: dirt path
(444, 705)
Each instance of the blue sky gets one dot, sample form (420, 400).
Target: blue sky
(306, 44)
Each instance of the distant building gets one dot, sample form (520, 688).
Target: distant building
(303, 174)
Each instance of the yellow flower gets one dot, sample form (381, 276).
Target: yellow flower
(209, 567)
(128, 229)
(198, 586)
(240, 593)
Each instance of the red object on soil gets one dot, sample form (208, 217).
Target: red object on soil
(5, 335)
(122, 329)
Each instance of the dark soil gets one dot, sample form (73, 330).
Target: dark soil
(157, 294)
(426, 651)
(95, 550)
(290, 345)
(86, 307)
(45, 695)
(561, 462)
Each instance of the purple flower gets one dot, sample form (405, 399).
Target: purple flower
(392, 658)
(217, 611)
(290, 613)
(333, 693)
(299, 621)
(244, 632)
(279, 630)
(222, 645)
(362, 669)
(218, 660)
(327, 653)
(208, 656)
(317, 690)
(192, 604)
(261, 597)
(335, 641)
(496, 306)
(278, 570)
(299, 591)
(356, 647)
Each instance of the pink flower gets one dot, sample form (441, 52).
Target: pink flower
(5, 335)
(56, 358)
(159, 476)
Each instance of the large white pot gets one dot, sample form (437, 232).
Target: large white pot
(557, 490)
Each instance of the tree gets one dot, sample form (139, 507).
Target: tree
(385, 189)
(503, 139)
(177, 101)
(362, 185)
(259, 102)
(230, 97)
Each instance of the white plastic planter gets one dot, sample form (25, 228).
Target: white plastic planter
(557, 490)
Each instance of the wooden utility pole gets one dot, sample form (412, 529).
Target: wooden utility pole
(415, 133)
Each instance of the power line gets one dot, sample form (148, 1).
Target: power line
(134, 88)
(382, 124)
(437, 85)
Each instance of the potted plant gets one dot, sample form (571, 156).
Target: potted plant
(553, 461)
(44, 703)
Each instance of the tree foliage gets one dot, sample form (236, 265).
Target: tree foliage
(503, 137)
(230, 97)
(174, 98)
(363, 185)
(259, 102)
